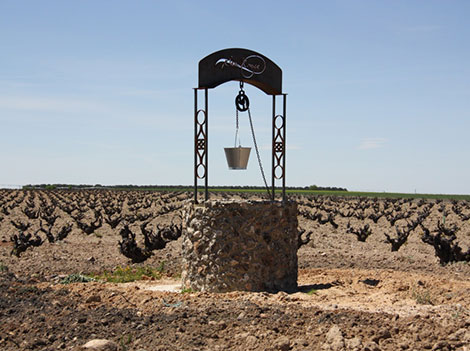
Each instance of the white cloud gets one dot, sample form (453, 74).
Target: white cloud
(372, 143)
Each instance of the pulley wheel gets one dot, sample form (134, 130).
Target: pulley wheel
(242, 102)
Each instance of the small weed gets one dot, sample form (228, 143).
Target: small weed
(312, 292)
(129, 274)
(77, 278)
(457, 313)
(3, 268)
(422, 297)
(161, 267)
(125, 342)
(187, 291)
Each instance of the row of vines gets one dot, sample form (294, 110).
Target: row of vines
(147, 221)
(443, 224)
(33, 217)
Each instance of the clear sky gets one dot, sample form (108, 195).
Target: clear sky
(101, 91)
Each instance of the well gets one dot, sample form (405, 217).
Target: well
(240, 245)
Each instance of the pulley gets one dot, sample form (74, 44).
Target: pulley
(242, 102)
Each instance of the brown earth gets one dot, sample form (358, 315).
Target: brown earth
(352, 296)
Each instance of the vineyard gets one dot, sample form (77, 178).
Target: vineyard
(373, 274)
(442, 224)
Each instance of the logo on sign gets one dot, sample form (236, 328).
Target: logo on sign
(250, 66)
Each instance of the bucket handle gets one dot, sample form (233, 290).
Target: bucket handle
(237, 134)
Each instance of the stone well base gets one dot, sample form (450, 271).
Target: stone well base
(240, 245)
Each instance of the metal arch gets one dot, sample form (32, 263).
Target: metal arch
(240, 65)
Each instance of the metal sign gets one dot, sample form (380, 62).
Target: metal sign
(240, 65)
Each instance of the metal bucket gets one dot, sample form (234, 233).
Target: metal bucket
(237, 157)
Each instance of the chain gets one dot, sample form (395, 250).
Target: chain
(257, 153)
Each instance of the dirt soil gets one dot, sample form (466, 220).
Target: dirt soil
(352, 296)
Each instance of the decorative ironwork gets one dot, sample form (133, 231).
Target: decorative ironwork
(201, 138)
(279, 148)
(251, 65)
(279, 144)
(200, 144)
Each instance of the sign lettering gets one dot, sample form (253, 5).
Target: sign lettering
(250, 66)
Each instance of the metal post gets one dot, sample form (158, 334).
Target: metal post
(284, 149)
(207, 144)
(273, 151)
(195, 145)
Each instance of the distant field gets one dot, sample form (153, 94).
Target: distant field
(381, 195)
(325, 193)
(288, 191)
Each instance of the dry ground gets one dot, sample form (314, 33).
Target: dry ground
(352, 296)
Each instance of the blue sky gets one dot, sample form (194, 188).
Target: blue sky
(101, 91)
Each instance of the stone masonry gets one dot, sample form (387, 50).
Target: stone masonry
(240, 245)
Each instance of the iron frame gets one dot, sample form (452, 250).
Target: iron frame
(230, 65)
